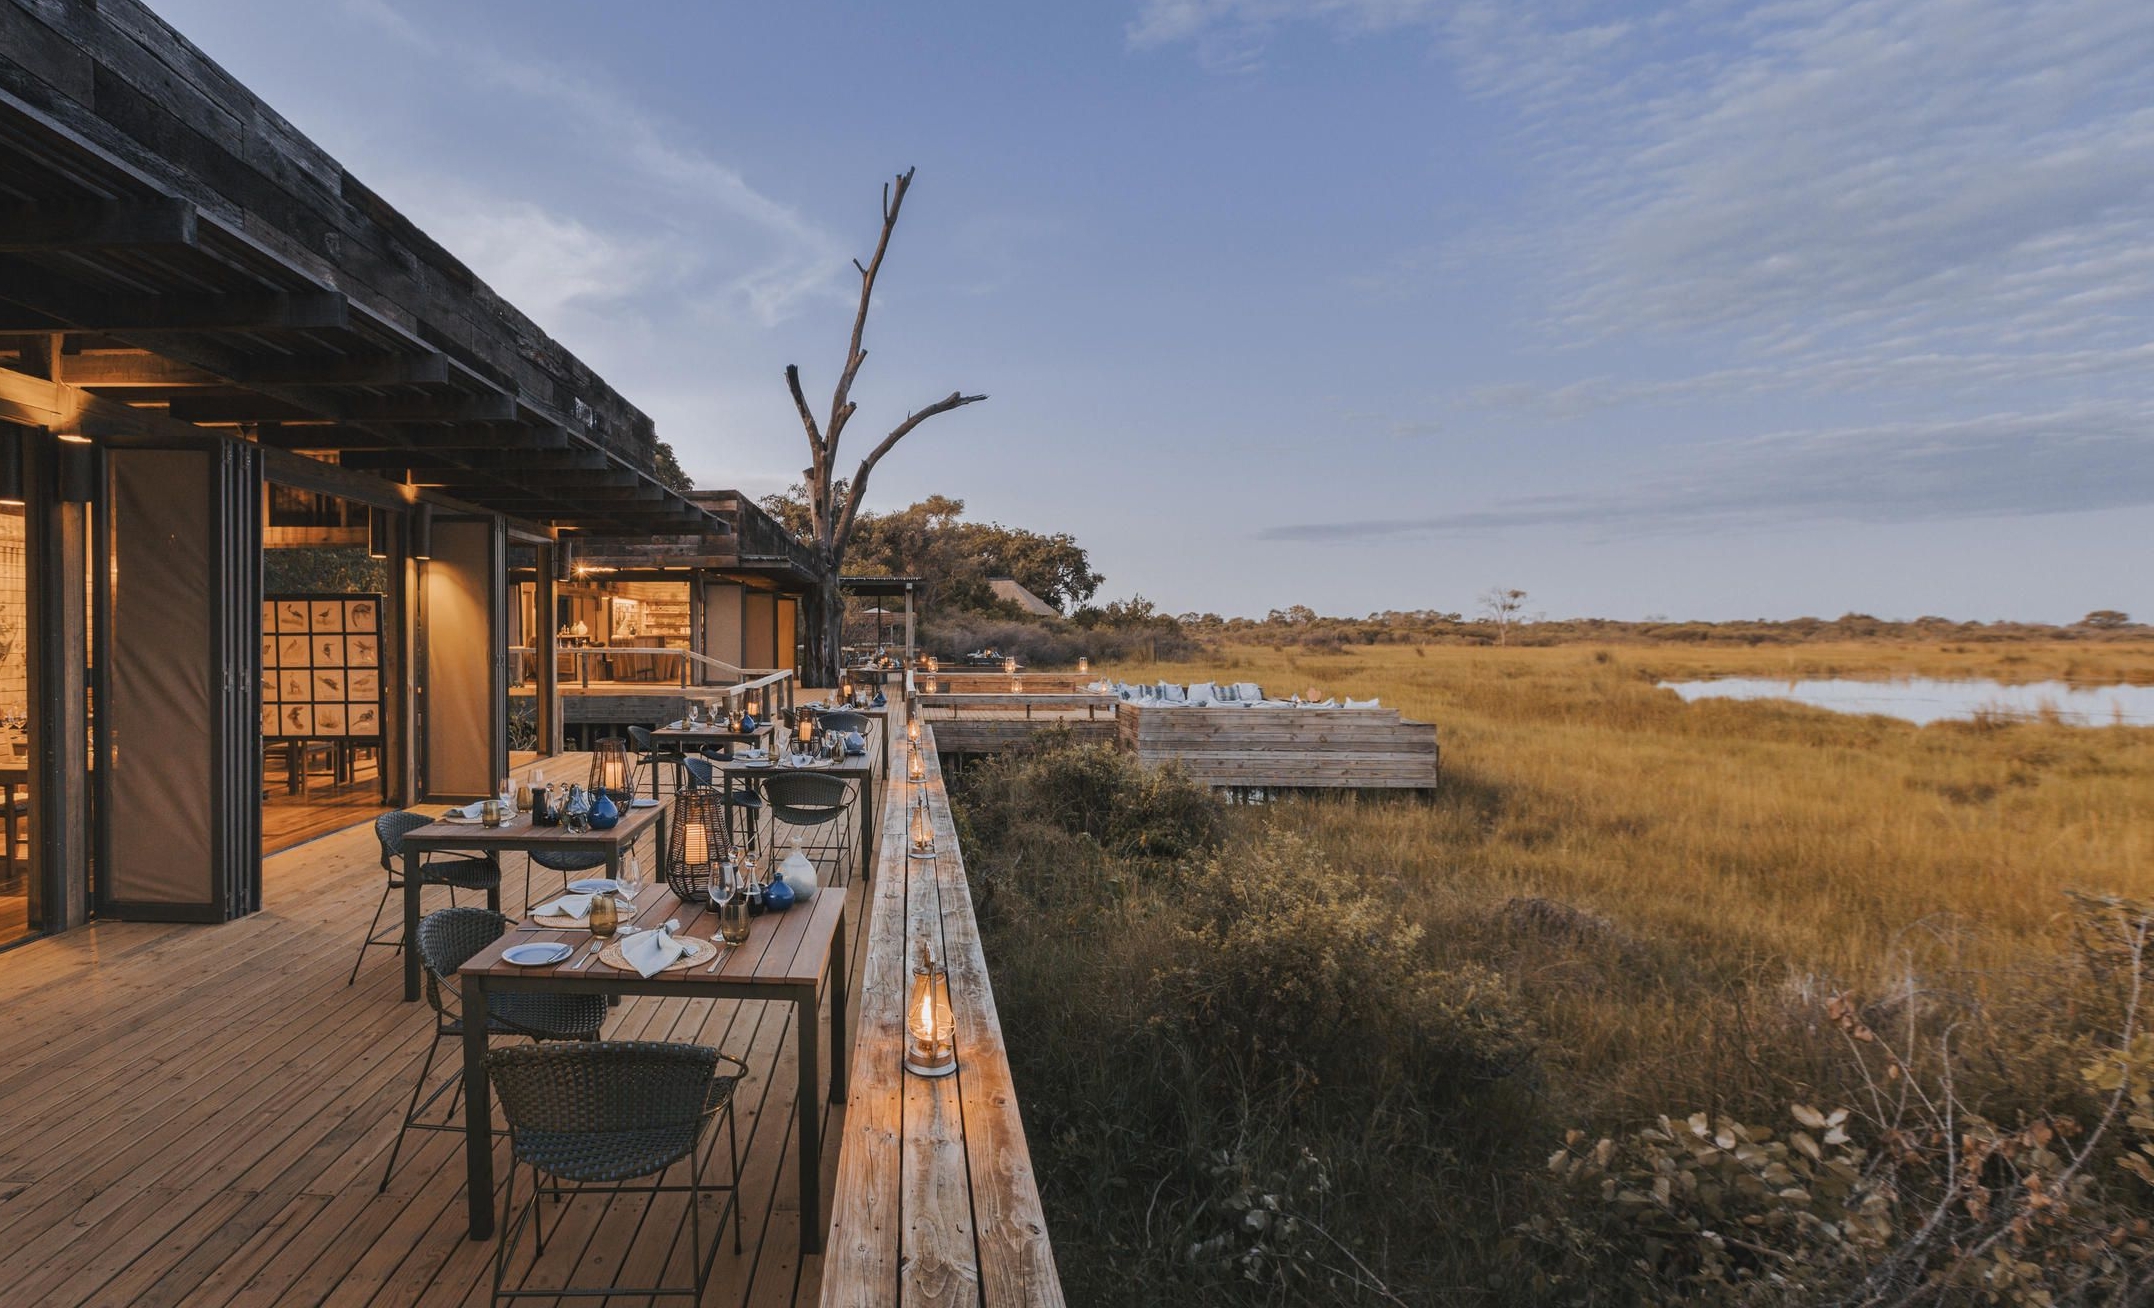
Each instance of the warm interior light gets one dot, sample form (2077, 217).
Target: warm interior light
(915, 766)
(378, 526)
(1084, 665)
(422, 531)
(930, 1029)
(912, 730)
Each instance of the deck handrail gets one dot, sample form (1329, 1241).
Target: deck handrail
(936, 1197)
(689, 658)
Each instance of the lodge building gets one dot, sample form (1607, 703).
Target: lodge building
(299, 520)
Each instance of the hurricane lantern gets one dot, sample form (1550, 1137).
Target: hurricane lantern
(695, 847)
(1084, 665)
(930, 1031)
(611, 769)
(922, 829)
(1010, 664)
(912, 731)
(915, 766)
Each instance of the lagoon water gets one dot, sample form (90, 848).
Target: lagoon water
(1927, 699)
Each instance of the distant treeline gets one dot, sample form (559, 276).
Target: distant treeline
(1302, 626)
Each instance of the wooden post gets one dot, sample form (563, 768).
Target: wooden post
(57, 561)
(546, 654)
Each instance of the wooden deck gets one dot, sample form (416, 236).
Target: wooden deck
(199, 1115)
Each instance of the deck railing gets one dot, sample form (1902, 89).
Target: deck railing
(936, 1200)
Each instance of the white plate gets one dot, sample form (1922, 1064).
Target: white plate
(594, 885)
(645, 802)
(537, 953)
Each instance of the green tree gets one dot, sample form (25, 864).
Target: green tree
(666, 466)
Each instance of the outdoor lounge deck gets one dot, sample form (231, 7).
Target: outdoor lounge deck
(200, 1115)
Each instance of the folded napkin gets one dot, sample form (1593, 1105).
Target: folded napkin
(649, 951)
(855, 743)
(576, 906)
(757, 752)
(472, 812)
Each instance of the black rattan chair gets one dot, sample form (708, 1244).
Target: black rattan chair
(563, 861)
(813, 802)
(436, 868)
(447, 940)
(649, 754)
(607, 1113)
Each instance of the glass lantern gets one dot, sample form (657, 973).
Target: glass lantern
(930, 1031)
(912, 731)
(922, 830)
(1084, 666)
(915, 766)
(1009, 665)
(611, 769)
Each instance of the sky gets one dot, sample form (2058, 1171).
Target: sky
(1699, 310)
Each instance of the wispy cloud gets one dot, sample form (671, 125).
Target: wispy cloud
(2096, 456)
(1944, 204)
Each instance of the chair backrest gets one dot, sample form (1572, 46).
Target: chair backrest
(700, 774)
(391, 828)
(448, 938)
(805, 798)
(639, 740)
(602, 1086)
(843, 720)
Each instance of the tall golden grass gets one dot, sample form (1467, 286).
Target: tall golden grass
(1739, 849)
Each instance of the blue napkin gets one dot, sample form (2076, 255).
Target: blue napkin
(855, 743)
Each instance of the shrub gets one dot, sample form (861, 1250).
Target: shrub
(1287, 974)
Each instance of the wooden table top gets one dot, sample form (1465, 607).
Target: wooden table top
(783, 949)
(518, 833)
(854, 767)
(711, 734)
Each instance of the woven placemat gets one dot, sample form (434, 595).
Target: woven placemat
(699, 951)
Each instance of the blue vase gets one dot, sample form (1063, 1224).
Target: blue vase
(605, 813)
(777, 896)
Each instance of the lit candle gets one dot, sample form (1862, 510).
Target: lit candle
(915, 766)
(923, 830)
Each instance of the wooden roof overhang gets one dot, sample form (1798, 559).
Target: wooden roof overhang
(169, 243)
(759, 552)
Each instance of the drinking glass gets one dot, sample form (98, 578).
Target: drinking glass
(605, 915)
(731, 903)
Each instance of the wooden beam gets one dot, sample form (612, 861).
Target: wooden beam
(97, 225)
(424, 440)
(453, 407)
(147, 368)
(86, 309)
(491, 459)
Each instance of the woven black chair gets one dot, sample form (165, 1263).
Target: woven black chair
(447, 940)
(843, 720)
(604, 1114)
(563, 861)
(703, 775)
(821, 806)
(436, 868)
(649, 754)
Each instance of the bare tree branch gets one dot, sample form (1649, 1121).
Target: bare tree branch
(841, 408)
(954, 400)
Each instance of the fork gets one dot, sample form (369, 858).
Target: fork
(589, 954)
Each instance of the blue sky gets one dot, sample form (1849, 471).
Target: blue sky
(1706, 309)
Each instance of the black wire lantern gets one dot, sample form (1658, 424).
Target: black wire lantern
(612, 770)
(696, 844)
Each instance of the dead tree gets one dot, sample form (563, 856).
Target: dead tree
(834, 503)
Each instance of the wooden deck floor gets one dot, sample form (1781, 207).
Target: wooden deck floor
(200, 1115)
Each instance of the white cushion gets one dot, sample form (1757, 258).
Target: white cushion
(1362, 703)
(1248, 690)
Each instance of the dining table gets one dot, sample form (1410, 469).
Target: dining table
(785, 959)
(709, 733)
(516, 835)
